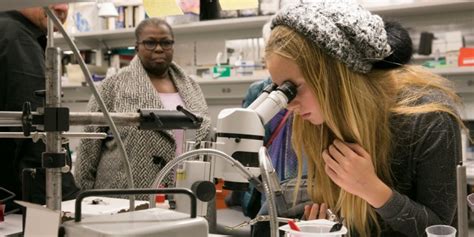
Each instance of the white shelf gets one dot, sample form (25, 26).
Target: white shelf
(200, 81)
(127, 2)
(418, 57)
(234, 28)
(222, 25)
(233, 89)
(96, 39)
(454, 71)
(201, 27)
(423, 8)
(231, 80)
(215, 90)
(245, 27)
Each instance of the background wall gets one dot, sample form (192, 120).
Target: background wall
(198, 43)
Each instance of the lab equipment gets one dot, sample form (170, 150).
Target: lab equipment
(203, 151)
(331, 216)
(192, 155)
(241, 141)
(263, 218)
(148, 222)
(55, 121)
(240, 133)
(260, 218)
(338, 226)
(194, 174)
(56, 124)
(314, 228)
(461, 184)
(54, 151)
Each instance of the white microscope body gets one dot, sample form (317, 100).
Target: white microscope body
(240, 133)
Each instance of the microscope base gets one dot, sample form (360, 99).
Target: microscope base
(149, 222)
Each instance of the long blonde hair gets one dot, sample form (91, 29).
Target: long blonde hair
(356, 108)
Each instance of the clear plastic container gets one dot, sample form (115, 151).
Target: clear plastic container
(313, 228)
(441, 231)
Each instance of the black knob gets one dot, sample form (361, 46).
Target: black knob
(42, 93)
(204, 190)
(26, 119)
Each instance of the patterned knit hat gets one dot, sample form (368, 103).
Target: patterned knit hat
(342, 29)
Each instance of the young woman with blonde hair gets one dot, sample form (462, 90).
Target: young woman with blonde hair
(381, 137)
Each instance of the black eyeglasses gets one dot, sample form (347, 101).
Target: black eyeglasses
(151, 44)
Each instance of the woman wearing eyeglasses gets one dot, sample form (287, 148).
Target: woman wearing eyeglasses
(152, 80)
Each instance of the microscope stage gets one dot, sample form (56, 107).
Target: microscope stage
(149, 222)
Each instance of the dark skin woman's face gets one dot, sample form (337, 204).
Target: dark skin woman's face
(156, 61)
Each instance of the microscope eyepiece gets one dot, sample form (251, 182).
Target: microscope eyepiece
(269, 88)
(289, 89)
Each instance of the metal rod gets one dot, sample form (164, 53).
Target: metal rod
(462, 200)
(53, 99)
(97, 119)
(13, 119)
(10, 118)
(50, 42)
(64, 135)
(192, 155)
(10, 115)
(268, 190)
(86, 135)
(9, 123)
(100, 102)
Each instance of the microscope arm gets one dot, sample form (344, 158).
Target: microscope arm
(192, 154)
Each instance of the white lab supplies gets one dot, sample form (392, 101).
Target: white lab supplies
(313, 228)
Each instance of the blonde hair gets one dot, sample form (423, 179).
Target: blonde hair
(357, 108)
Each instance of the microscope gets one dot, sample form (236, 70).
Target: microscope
(240, 133)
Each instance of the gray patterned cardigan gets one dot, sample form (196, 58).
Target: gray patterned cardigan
(99, 164)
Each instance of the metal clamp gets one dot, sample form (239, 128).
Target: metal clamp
(53, 160)
(56, 119)
(153, 119)
(260, 218)
(26, 119)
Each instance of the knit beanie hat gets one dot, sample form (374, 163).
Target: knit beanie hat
(341, 28)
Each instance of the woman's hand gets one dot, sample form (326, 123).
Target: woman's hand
(350, 167)
(315, 211)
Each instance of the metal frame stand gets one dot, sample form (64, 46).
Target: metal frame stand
(461, 177)
(53, 138)
(55, 120)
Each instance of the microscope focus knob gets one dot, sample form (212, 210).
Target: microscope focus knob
(204, 190)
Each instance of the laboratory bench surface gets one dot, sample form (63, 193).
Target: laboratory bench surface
(227, 217)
